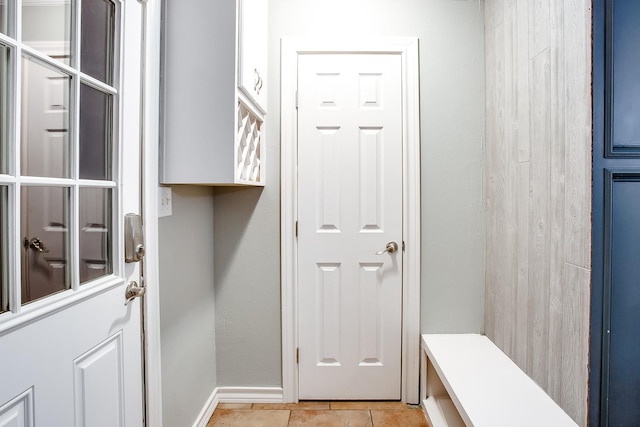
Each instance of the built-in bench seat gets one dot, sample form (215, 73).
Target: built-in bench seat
(471, 382)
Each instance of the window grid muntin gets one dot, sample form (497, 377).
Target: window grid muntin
(13, 179)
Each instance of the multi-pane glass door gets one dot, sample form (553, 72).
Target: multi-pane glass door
(58, 147)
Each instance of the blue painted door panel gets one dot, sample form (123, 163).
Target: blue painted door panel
(624, 287)
(625, 58)
(614, 379)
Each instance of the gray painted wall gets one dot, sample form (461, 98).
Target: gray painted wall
(247, 282)
(247, 222)
(187, 315)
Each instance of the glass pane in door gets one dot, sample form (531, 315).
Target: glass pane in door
(45, 120)
(4, 17)
(4, 283)
(45, 241)
(46, 26)
(95, 133)
(4, 120)
(96, 46)
(95, 233)
(7, 24)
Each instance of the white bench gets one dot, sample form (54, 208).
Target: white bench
(471, 382)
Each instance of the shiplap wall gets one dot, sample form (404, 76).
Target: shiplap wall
(538, 184)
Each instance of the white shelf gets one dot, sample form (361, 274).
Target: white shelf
(441, 412)
(487, 388)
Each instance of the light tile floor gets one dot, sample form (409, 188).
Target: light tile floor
(318, 414)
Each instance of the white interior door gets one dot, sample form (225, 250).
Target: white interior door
(349, 211)
(70, 134)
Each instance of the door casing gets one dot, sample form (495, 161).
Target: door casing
(150, 105)
(407, 48)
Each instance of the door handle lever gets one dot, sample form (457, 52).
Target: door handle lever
(391, 248)
(35, 244)
(133, 291)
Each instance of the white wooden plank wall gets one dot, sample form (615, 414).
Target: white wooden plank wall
(538, 144)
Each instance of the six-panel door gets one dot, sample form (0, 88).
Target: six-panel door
(349, 210)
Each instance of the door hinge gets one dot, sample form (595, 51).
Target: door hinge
(298, 355)
(296, 228)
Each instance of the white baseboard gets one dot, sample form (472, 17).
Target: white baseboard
(206, 412)
(237, 395)
(250, 394)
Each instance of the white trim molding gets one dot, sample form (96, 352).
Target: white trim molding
(407, 47)
(250, 394)
(237, 395)
(151, 135)
(207, 411)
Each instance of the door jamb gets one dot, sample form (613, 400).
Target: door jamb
(407, 48)
(150, 136)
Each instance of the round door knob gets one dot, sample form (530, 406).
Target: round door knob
(139, 251)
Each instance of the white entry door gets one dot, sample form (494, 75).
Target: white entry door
(70, 134)
(350, 226)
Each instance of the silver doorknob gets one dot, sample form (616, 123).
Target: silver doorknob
(133, 291)
(391, 248)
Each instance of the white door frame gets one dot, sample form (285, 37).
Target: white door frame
(150, 93)
(407, 48)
